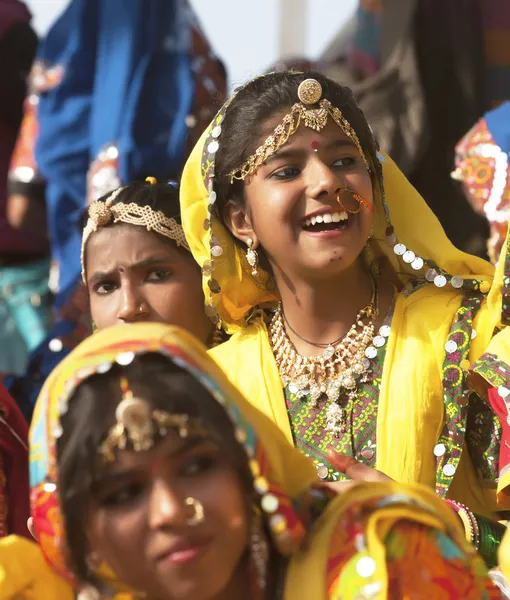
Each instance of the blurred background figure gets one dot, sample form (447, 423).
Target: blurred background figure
(482, 167)
(424, 71)
(120, 90)
(24, 258)
(14, 489)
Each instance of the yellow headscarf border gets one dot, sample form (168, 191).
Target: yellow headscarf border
(232, 292)
(277, 485)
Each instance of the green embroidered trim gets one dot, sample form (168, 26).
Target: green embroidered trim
(448, 449)
(309, 431)
(494, 370)
(505, 291)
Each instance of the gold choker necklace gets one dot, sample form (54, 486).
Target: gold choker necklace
(343, 365)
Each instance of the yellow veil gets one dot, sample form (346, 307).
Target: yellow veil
(322, 566)
(451, 295)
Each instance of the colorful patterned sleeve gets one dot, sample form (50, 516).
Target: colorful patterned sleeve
(499, 400)
(428, 561)
(496, 374)
(405, 544)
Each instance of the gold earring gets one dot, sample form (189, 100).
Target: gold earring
(252, 257)
(259, 550)
(198, 512)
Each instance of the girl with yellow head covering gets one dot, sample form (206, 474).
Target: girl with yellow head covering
(356, 325)
(151, 476)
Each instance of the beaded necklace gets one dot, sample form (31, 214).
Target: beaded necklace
(334, 373)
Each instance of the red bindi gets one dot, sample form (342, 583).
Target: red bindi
(314, 145)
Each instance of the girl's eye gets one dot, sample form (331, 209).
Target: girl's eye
(199, 464)
(127, 495)
(159, 275)
(346, 161)
(105, 287)
(286, 173)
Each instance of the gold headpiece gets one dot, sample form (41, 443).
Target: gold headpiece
(309, 92)
(103, 213)
(138, 425)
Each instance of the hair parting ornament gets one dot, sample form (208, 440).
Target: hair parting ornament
(138, 427)
(309, 93)
(102, 213)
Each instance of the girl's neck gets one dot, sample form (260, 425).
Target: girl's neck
(238, 586)
(323, 310)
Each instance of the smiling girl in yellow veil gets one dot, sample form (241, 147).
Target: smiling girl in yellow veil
(150, 472)
(356, 324)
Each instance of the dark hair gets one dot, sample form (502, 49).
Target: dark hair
(243, 125)
(91, 413)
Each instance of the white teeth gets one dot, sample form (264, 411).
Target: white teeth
(335, 217)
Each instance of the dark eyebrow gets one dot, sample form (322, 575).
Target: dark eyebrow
(98, 275)
(115, 477)
(297, 152)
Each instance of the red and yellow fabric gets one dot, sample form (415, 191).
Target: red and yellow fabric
(14, 507)
(482, 167)
(353, 544)
(23, 160)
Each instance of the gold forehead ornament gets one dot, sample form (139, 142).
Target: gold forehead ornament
(309, 93)
(102, 213)
(138, 425)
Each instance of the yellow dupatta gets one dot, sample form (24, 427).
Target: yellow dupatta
(322, 565)
(421, 382)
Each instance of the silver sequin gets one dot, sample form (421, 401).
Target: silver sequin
(450, 346)
(213, 147)
(430, 275)
(399, 249)
(503, 391)
(125, 358)
(55, 345)
(417, 263)
(440, 281)
(379, 341)
(439, 449)
(385, 331)
(457, 282)
(449, 470)
(371, 352)
(269, 503)
(409, 257)
(365, 567)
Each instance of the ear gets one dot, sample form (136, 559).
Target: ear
(238, 221)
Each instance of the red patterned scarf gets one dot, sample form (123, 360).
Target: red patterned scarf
(14, 490)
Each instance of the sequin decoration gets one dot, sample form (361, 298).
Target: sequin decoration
(454, 387)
